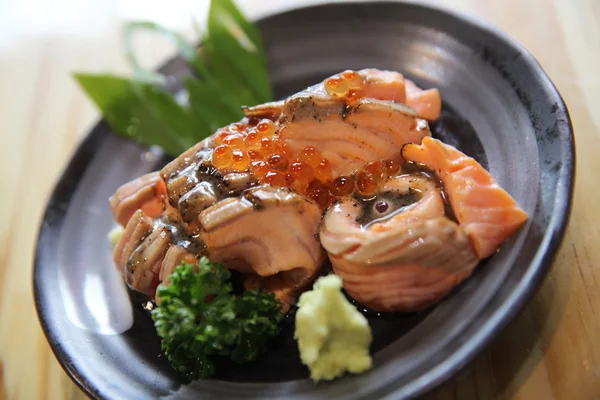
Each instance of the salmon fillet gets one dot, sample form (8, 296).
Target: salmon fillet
(485, 211)
(405, 262)
(147, 193)
(269, 235)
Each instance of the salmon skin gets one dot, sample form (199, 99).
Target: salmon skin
(315, 180)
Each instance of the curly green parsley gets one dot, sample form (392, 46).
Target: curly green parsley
(199, 317)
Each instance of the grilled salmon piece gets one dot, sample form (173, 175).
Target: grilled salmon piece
(146, 193)
(405, 258)
(485, 211)
(349, 136)
(427, 103)
(269, 234)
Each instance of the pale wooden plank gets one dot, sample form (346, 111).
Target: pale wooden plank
(550, 351)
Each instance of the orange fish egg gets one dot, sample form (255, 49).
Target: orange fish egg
(267, 147)
(375, 168)
(355, 81)
(278, 162)
(349, 74)
(241, 161)
(315, 186)
(311, 156)
(240, 126)
(323, 171)
(342, 186)
(273, 178)
(323, 199)
(222, 157)
(266, 128)
(284, 148)
(221, 134)
(301, 171)
(366, 184)
(319, 193)
(354, 95)
(391, 167)
(252, 140)
(254, 155)
(235, 140)
(336, 86)
(259, 168)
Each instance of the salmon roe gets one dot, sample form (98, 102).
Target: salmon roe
(278, 162)
(355, 81)
(240, 126)
(391, 167)
(272, 161)
(375, 168)
(273, 178)
(235, 140)
(337, 86)
(266, 146)
(301, 171)
(311, 156)
(259, 168)
(284, 149)
(342, 186)
(254, 155)
(252, 140)
(266, 128)
(241, 160)
(320, 194)
(221, 134)
(348, 84)
(323, 171)
(222, 157)
(366, 184)
(354, 95)
(289, 180)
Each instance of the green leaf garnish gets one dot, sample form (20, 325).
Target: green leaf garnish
(230, 71)
(142, 111)
(236, 43)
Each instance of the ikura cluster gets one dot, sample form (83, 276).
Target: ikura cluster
(258, 149)
(311, 174)
(348, 84)
(240, 144)
(365, 183)
(305, 173)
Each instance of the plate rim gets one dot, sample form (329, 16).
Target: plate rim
(514, 305)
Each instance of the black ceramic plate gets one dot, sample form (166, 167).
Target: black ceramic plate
(499, 107)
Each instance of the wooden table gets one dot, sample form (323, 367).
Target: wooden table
(551, 351)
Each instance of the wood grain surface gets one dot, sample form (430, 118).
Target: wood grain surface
(551, 351)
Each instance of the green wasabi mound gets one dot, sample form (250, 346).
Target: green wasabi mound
(333, 336)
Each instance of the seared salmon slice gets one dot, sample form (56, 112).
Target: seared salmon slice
(136, 229)
(398, 288)
(485, 211)
(350, 137)
(146, 193)
(427, 103)
(405, 258)
(384, 85)
(269, 234)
